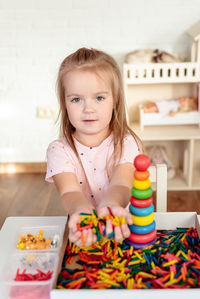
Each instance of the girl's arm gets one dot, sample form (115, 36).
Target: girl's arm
(117, 198)
(71, 194)
(74, 202)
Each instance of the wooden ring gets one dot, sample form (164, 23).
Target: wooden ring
(143, 238)
(139, 245)
(141, 175)
(141, 203)
(137, 220)
(142, 194)
(141, 211)
(142, 230)
(141, 185)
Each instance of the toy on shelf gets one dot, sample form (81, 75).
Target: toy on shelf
(182, 111)
(171, 107)
(157, 66)
(143, 229)
(158, 155)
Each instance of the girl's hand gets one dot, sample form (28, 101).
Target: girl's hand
(75, 235)
(121, 232)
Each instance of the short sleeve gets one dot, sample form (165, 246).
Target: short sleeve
(58, 160)
(130, 150)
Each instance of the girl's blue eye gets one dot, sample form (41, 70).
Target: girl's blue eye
(100, 98)
(75, 100)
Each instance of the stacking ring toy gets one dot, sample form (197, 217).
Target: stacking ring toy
(137, 245)
(141, 211)
(137, 220)
(143, 238)
(141, 194)
(141, 175)
(141, 185)
(141, 203)
(142, 230)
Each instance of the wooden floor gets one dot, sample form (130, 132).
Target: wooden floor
(30, 195)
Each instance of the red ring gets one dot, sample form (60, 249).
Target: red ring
(141, 203)
(142, 238)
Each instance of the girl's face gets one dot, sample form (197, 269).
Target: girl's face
(89, 104)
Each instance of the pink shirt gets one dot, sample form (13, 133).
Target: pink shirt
(61, 158)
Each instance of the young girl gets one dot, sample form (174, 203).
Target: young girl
(92, 164)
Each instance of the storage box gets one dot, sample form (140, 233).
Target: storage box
(54, 232)
(31, 261)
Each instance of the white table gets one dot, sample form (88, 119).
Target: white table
(8, 233)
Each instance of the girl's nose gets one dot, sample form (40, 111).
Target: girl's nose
(88, 105)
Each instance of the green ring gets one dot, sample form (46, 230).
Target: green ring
(142, 194)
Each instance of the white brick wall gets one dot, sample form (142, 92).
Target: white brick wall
(35, 36)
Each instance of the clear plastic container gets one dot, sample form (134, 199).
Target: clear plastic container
(31, 261)
(54, 232)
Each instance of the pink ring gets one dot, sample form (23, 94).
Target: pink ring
(142, 238)
(141, 203)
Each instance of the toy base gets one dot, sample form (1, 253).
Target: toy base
(140, 245)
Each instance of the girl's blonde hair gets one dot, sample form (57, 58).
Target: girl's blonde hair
(101, 63)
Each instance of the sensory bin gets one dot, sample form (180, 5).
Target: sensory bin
(173, 261)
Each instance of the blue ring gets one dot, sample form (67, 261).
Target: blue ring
(142, 230)
(141, 211)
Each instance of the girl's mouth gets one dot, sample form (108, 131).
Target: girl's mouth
(89, 120)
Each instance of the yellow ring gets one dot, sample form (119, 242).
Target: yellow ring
(142, 221)
(141, 185)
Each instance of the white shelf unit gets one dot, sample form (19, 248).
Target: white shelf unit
(148, 82)
(162, 73)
